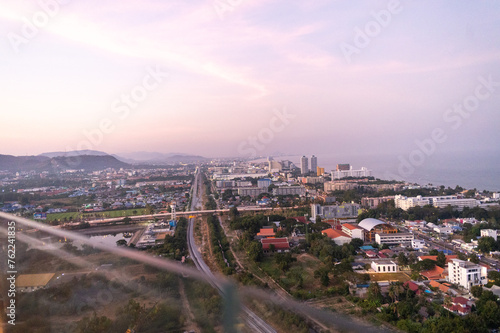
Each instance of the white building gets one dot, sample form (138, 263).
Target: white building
(417, 244)
(466, 273)
(353, 231)
(396, 238)
(363, 172)
(405, 203)
(338, 237)
(304, 165)
(443, 230)
(489, 233)
(314, 163)
(384, 266)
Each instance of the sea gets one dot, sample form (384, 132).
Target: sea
(478, 169)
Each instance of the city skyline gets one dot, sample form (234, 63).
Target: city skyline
(251, 78)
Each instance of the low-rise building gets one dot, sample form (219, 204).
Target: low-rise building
(251, 191)
(353, 231)
(289, 190)
(278, 245)
(394, 238)
(32, 282)
(384, 266)
(459, 305)
(335, 211)
(375, 201)
(417, 244)
(489, 233)
(338, 237)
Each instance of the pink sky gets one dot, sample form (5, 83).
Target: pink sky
(228, 74)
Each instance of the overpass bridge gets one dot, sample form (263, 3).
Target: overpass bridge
(193, 213)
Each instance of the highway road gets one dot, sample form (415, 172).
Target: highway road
(255, 323)
(444, 245)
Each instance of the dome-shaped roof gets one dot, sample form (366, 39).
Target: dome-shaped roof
(370, 223)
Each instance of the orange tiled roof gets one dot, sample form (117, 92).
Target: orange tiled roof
(334, 233)
(266, 232)
(350, 226)
(448, 257)
(433, 274)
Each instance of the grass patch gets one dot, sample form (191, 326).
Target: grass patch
(389, 277)
(74, 216)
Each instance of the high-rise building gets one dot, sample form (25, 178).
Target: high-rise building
(314, 163)
(320, 171)
(304, 165)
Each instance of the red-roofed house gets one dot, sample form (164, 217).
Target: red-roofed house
(279, 244)
(338, 237)
(448, 258)
(459, 305)
(353, 231)
(413, 287)
(440, 286)
(370, 254)
(434, 274)
(266, 233)
(301, 219)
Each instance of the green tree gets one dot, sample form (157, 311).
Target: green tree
(374, 293)
(474, 258)
(486, 244)
(94, 324)
(402, 259)
(254, 251)
(495, 276)
(441, 259)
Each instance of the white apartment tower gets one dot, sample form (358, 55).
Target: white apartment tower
(304, 165)
(466, 273)
(314, 163)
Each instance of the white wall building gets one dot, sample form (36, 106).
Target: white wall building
(417, 244)
(489, 233)
(466, 273)
(405, 203)
(384, 266)
(363, 172)
(443, 230)
(353, 231)
(397, 238)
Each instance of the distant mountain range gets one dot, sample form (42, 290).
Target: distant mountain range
(90, 160)
(59, 163)
(145, 157)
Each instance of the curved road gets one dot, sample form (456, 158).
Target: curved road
(251, 319)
